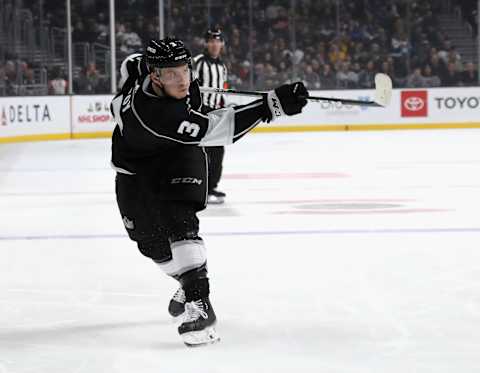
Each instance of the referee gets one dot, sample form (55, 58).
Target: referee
(212, 73)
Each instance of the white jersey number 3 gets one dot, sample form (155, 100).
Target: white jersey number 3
(191, 128)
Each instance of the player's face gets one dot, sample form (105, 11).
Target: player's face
(175, 80)
(214, 47)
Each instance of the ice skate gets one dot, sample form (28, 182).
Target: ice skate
(176, 307)
(198, 327)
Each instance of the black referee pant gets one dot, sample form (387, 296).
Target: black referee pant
(215, 160)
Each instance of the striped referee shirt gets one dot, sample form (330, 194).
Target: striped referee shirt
(211, 73)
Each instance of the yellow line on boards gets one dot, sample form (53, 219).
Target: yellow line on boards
(263, 128)
(266, 128)
(365, 127)
(43, 137)
(91, 135)
(422, 126)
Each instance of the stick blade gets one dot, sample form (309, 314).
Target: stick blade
(383, 89)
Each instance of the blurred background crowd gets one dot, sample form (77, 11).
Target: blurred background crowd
(328, 44)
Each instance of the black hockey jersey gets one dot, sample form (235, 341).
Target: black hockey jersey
(161, 139)
(132, 67)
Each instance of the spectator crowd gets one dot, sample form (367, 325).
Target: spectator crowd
(340, 44)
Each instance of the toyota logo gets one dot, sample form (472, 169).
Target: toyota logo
(414, 103)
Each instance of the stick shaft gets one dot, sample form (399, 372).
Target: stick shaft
(311, 98)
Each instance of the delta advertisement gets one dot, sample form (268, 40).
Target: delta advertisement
(89, 116)
(39, 117)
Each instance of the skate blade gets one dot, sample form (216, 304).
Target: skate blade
(201, 338)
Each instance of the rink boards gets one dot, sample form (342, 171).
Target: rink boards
(65, 117)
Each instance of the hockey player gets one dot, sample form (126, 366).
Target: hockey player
(161, 183)
(212, 72)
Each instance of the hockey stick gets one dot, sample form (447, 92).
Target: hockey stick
(383, 93)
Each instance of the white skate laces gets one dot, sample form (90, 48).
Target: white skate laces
(193, 310)
(179, 296)
(198, 329)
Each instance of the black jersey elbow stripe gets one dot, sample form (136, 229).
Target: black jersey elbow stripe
(249, 106)
(121, 170)
(130, 66)
(248, 129)
(252, 105)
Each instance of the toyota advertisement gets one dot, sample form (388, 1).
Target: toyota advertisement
(442, 106)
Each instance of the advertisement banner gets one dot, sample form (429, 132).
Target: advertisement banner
(41, 117)
(409, 108)
(333, 114)
(457, 104)
(91, 115)
(57, 117)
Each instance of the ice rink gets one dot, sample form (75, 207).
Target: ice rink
(335, 252)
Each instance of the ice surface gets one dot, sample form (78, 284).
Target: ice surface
(335, 252)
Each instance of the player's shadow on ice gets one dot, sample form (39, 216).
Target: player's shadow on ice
(147, 332)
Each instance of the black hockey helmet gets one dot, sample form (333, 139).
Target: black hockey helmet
(214, 34)
(168, 52)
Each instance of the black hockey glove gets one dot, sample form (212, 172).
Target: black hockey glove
(288, 99)
(195, 97)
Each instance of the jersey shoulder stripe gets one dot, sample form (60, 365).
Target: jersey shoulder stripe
(197, 58)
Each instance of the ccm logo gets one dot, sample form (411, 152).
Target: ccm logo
(414, 103)
(186, 180)
(276, 107)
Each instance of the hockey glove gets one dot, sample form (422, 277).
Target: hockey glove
(195, 96)
(288, 99)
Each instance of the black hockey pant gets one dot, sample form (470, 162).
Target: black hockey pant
(151, 222)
